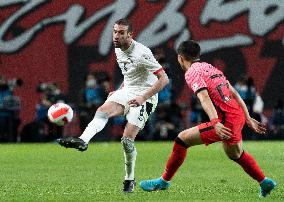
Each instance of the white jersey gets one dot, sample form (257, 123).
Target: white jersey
(138, 67)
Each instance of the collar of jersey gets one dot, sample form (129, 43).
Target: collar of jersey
(195, 61)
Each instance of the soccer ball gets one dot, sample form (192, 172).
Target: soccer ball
(60, 114)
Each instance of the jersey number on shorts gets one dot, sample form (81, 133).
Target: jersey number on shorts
(149, 108)
(141, 113)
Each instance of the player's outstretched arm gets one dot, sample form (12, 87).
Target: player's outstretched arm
(206, 103)
(237, 96)
(251, 122)
(163, 80)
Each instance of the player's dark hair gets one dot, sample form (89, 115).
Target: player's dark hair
(125, 22)
(189, 49)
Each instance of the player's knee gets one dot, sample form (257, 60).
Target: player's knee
(102, 108)
(179, 141)
(186, 137)
(182, 135)
(235, 156)
(128, 144)
(112, 109)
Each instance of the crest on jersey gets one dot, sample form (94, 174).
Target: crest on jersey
(146, 57)
(194, 87)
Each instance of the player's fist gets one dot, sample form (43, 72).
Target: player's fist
(139, 100)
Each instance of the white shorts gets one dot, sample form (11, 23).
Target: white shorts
(134, 115)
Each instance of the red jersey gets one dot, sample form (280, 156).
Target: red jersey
(202, 75)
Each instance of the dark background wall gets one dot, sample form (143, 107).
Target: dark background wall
(42, 41)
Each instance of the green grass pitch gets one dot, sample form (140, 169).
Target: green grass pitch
(48, 172)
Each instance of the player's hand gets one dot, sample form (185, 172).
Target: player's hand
(223, 132)
(112, 92)
(256, 126)
(136, 102)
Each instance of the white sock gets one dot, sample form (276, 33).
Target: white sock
(130, 154)
(130, 159)
(95, 126)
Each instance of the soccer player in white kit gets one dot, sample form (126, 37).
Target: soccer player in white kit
(137, 97)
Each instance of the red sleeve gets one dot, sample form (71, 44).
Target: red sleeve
(195, 81)
(159, 70)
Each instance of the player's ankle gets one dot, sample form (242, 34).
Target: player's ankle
(262, 180)
(86, 142)
(163, 180)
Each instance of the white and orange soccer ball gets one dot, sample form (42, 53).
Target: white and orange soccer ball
(60, 114)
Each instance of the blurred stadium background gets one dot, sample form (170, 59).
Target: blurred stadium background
(62, 50)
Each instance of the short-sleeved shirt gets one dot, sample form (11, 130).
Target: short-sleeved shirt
(202, 75)
(138, 67)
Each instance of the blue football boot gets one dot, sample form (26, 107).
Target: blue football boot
(266, 186)
(155, 184)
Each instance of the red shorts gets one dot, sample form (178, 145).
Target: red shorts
(209, 136)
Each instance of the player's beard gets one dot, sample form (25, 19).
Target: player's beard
(117, 45)
(121, 44)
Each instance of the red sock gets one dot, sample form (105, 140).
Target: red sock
(250, 166)
(176, 159)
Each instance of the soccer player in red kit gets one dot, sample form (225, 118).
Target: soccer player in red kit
(227, 113)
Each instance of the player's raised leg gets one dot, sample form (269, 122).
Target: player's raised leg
(104, 112)
(185, 139)
(130, 154)
(250, 166)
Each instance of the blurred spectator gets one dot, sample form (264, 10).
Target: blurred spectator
(165, 95)
(277, 118)
(197, 114)
(92, 96)
(168, 122)
(9, 110)
(258, 109)
(241, 87)
(250, 95)
(50, 96)
(103, 81)
(51, 92)
(41, 129)
(246, 89)
(93, 93)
